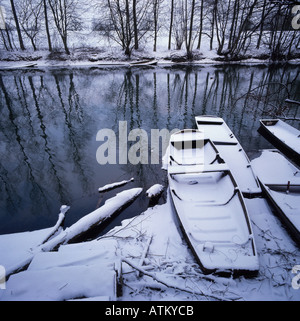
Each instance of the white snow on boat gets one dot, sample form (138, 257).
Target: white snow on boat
(281, 182)
(147, 62)
(282, 136)
(231, 151)
(18, 66)
(210, 206)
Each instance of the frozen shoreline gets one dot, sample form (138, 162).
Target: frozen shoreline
(82, 59)
(155, 260)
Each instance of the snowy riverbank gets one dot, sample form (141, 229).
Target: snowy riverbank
(156, 263)
(98, 58)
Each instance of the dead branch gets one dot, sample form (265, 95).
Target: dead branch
(157, 279)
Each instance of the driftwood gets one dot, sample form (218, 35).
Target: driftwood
(112, 186)
(169, 285)
(111, 207)
(144, 254)
(20, 266)
(154, 193)
(59, 224)
(52, 241)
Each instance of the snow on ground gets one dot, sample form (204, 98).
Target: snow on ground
(100, 54)
(85, 270)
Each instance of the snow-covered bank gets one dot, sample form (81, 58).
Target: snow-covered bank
(87, 58)
(79, 270)
(51, 239)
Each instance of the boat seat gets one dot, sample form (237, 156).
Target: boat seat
(182, 169)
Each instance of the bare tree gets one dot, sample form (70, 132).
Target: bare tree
(30, 12)
(179, 24)
(190, 27)
(135, 25)
(47, 25)
(126, 22)
(13, 8)
(65, 18)
(171, 24)
(201, 24)
(155, 20)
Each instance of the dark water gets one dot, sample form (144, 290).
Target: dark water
(49, 120)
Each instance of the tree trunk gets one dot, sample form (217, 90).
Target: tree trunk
(65, 42)
(201, 26)
(155, 11)
(189, 31)
(47, 26)
(17, 25)
(33, 44)
(212, 29)
(171, 25)
(136, 38)
(128, 30)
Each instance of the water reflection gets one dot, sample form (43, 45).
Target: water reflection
(49, 120)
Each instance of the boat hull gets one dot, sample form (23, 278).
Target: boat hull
(284, 212)
(210, 208)
(215, 129)
(281, 139)
(221, 241)
(280, 180)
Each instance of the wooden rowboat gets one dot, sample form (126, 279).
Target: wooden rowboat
(216, 129)
(280, 180)
(283, 136)
(18, 66)
(147, 62)
(210, 206)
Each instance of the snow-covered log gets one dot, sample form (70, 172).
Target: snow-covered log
(58, 226)
(154, 191)
(55, 230)
(111, 207)
(154, 194)
(109, 187)
(97, 217)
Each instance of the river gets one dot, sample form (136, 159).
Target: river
(50, 118)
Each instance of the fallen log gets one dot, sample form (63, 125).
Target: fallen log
(97, 217)
(154, 193)
(109, 187)
(112, 206)
(59, 224)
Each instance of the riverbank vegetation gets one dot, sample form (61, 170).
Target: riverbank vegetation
(183, 30)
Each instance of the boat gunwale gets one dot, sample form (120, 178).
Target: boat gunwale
(286, 149)
(247, 220)
(290, 226)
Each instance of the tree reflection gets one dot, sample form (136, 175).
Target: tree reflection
(49, 121)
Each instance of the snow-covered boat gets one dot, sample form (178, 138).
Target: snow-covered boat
(282, 187)
(283, 136)
(18, 66)
(210, 206)
(147, 62)
(216, 129)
